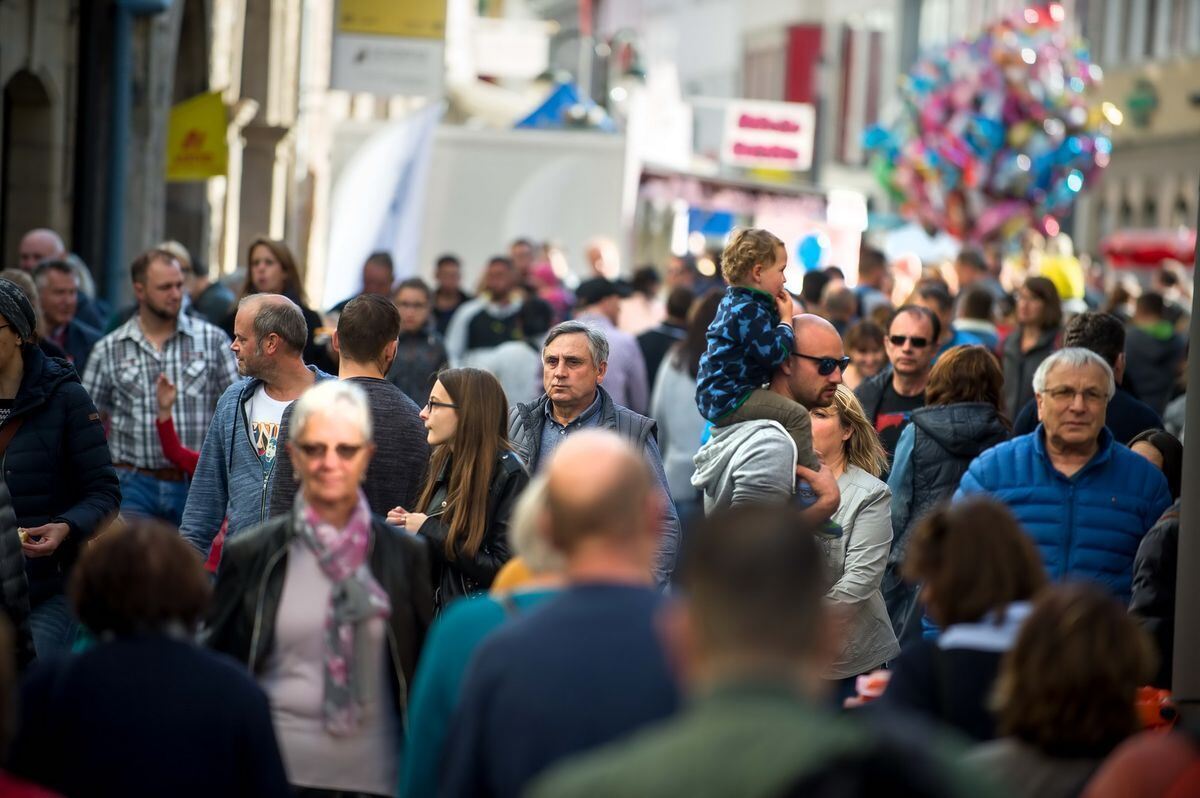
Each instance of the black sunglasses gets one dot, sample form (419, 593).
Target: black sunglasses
(917, 341)
(826, 365)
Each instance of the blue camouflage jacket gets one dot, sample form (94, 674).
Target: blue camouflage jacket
(746, 342)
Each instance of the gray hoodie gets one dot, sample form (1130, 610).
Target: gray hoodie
(747, 463)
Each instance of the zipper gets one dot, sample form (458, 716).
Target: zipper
(262, 597)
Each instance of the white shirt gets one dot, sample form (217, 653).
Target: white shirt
(263, 414)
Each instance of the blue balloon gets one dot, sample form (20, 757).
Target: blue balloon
(810, 250)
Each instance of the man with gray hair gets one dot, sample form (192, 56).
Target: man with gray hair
(1086, 500)
(58, 293)
(234, 475)
(574, 364)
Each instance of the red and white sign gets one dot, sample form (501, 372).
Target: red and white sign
(767, 135)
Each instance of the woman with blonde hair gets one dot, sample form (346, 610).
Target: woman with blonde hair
(474, 480)
(849, 446)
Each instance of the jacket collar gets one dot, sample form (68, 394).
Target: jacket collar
(1103, 453)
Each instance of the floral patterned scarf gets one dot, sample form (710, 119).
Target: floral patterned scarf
(356, 598)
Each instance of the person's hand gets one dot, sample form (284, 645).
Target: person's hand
(783, 303)
(42, 541)
(825, 486)
(413, 521)
(165, 393)
(395, 516)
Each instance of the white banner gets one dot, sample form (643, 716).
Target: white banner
(769, 135)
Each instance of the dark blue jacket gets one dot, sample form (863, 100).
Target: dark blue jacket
(147, 715)
(746, 343)
(57, 466)
(80, 339)
(1086, 526)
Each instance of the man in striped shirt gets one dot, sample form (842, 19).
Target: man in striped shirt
(121, 375)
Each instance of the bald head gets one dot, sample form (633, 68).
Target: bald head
(39, 245)
(598, 486)
(800, 378)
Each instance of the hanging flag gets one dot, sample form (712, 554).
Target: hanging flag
(197, 148)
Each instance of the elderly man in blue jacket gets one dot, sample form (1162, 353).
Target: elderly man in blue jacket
(1086, 500)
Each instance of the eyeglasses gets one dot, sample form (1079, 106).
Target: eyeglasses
(412, 305)
(1066, 395)
(316, 451)
(433, 403)
(918, 342)
(826, 365)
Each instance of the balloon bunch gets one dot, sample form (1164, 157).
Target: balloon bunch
(996, 132)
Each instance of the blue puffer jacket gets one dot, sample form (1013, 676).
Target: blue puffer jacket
(1087, 526)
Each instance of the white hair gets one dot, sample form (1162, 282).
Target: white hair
(333, 398)
(1073, 357)
(526, 534)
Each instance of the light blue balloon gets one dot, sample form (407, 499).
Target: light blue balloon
(810, 251)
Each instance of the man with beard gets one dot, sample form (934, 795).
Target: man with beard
(235, 473)
(121, 375)
(754, 462)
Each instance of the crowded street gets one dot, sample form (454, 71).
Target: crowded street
(543, 398)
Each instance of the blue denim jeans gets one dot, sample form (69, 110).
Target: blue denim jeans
(146, 496)
(54, 626)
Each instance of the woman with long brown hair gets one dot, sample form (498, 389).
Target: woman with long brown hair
(963, 415)
(474, 480)
(1038, 334)
(271, 269)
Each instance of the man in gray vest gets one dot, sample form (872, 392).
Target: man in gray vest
(574, 362)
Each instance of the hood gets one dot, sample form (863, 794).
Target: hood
(714, 458)
(42, 377)
(963, 430)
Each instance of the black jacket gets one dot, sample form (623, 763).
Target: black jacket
(57, 466)
(1154, 577)
(464, 575)
(1019, 366)
(870, 392)
(241, 621)
(14, 585)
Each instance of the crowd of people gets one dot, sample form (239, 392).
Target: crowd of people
(677, 534)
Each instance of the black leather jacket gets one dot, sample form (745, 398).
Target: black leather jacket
(241, 621)
(465, 575)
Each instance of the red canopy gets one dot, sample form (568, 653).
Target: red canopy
(1127, 248)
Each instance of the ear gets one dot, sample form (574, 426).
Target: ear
(600, 372)
(337, 347)
(1037, 397)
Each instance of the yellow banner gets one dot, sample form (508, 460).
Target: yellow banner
(416, 19)
(196, 145)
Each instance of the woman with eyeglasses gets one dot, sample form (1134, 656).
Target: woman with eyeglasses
(850, 448)
(474, 480)
(1038, 334)
(963, 416)
(328, 607)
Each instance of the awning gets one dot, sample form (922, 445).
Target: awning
(1131, 248)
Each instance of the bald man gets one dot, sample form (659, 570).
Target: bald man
(747, 463)
(234, 476)
(586, 668)
(38, 245)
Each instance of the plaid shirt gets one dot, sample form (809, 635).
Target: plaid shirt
(121, 375)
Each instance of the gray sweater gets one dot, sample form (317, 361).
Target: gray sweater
(397, 471)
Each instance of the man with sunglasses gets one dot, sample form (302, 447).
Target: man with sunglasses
(889, 397)
(754, 462)
(237, 462)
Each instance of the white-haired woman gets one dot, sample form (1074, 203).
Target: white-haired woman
(460, 630)
(849, 446)
(329, 608)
